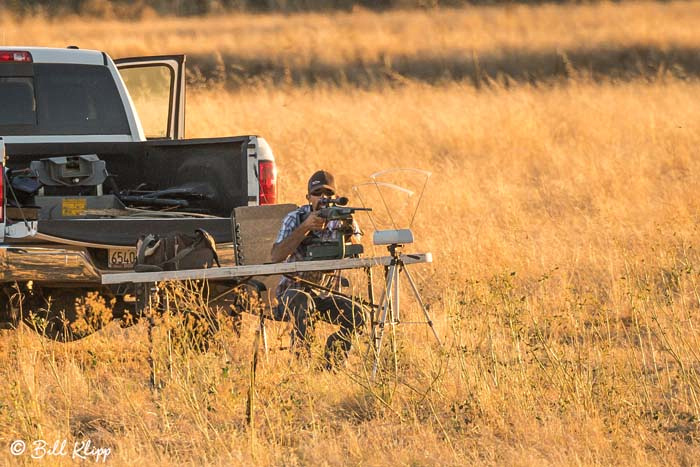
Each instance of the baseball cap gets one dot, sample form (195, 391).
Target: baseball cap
(322, 179)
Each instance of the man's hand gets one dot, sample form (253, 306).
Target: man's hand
(280, 251)
(313, 222)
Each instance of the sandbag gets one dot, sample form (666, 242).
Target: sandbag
(175, 251)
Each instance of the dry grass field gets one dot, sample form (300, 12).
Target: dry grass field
(563, 218)
(363, 35)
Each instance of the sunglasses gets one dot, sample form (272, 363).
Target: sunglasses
(322, 193)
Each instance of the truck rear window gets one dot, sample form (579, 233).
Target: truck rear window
(61, 99)
(17, 98)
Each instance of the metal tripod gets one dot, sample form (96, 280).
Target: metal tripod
(389, 304)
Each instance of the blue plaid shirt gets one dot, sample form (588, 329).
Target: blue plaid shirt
(289, 224)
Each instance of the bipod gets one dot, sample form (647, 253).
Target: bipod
(390, 305)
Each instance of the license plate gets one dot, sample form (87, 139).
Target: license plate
(121, 258)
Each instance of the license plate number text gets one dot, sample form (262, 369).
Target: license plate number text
(121, 258)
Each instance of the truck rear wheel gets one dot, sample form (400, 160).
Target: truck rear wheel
(65, 315)
(185, 312)
(9, 307)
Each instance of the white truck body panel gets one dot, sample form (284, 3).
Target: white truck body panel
(259, 149)
(54, 55)
(83, 57)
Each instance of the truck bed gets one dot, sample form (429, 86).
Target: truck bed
(214, 167)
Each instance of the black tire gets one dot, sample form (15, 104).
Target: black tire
(65, 315)
(9, 314)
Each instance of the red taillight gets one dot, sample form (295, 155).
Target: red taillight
(15, 56)
(2, 193)
(267, 177)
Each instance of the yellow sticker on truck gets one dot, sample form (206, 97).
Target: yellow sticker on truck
(73, 206)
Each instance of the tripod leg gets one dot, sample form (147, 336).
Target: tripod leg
(396, 311)
(374, 315)
(420, 302)
(386, 303)
(370, 296)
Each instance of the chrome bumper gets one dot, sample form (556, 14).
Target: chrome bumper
(47, 264)
(42, 264)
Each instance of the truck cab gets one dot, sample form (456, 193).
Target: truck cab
(59, 95)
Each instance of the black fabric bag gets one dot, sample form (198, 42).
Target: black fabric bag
(175, 251)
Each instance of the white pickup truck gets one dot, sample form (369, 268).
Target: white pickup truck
(94, 156)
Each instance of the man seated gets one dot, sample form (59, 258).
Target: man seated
(301, 302)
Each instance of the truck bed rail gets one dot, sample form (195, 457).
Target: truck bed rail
(263, 269)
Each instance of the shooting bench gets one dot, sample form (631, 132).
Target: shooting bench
(232, 272)
(254, 231)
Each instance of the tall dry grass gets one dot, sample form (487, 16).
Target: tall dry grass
(565, 286)
(563, 221)
(365, 36)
